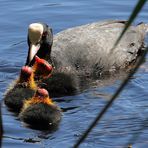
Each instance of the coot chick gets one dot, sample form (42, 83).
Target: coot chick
(24, 88)
(40, 111)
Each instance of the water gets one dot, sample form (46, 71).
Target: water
(124, 119)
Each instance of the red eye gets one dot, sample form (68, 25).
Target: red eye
(44, 33)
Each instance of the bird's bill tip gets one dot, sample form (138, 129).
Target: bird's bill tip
(33, 51)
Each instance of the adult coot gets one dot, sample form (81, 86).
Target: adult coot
(84, 53)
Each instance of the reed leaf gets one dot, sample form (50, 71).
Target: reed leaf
(133, 15)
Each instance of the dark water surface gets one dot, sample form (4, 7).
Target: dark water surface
(123, 120)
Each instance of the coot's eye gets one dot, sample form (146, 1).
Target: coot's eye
(39, 42)
(44, 33)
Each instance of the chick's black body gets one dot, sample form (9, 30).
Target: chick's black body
(41, 115)
(15, 97)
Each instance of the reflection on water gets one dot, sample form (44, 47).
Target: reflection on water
(123, 120)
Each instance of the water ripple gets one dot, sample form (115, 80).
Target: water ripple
(128, 113)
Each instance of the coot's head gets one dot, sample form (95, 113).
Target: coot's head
(27, 78)
(25, 74)
(42, 68)
(41, 93)
(40, 39)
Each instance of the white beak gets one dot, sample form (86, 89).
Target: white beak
(33, 51)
